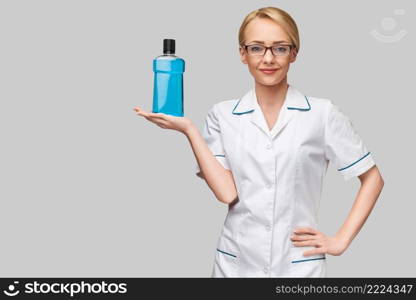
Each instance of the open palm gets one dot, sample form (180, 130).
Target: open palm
(165, 121)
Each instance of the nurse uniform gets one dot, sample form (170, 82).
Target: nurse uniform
(278, 175)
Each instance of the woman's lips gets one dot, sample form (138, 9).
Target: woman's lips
(268, 71)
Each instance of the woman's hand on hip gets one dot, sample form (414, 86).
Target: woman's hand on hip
(306, 236)
(162, 120)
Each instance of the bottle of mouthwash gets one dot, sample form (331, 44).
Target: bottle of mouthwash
(168, 81)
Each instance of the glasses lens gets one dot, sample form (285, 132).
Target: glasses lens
(255, 49)
(281, 50)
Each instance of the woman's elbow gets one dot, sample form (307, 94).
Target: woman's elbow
(228, 197)
(380, 179)
(377, 180)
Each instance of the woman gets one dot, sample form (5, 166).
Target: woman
(266, 154)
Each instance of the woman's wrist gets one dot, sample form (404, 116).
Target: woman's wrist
(190, 129)
(345, 240)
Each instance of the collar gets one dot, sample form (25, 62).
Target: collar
(294, 100)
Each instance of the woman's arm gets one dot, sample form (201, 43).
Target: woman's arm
(219, 179)
(371, 185)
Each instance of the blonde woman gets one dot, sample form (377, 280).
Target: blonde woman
(265, 155)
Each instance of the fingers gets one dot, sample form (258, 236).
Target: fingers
(306, 237)
(313, 243)
(158, 118)
(305, 230)
(159, 122)
(143, 113)
(314, 252)
(319, 249)
(138, 110)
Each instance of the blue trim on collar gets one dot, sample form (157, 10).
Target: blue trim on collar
(249, 111)
(303, 109)
(354, 162)
(240, 113)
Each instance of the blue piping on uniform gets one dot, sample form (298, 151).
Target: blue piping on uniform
(354, 162)
(304, 109)
(240, 113)
(222, 155)
(302, 260)
(249, 111)
(226, 253)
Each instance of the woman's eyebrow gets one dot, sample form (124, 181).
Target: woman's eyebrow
(275, 42)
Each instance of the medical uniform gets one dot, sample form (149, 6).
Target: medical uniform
(278, 175)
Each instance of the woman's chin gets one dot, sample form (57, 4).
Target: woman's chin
(269, 81)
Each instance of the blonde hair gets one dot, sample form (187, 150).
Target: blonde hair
(278, 15)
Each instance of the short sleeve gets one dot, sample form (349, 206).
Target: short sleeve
(211, 133)
(343, 146)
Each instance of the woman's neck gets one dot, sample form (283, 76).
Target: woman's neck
(271, 96)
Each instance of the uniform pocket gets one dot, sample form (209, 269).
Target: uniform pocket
(297, 256)
(307, 259)
(306, 266)
(227, 258)
(226, 253)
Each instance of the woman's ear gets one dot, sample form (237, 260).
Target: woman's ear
(293, 55)
(243, 55)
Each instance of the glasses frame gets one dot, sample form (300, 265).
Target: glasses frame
(291, 46)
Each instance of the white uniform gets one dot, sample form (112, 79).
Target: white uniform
(278, 175)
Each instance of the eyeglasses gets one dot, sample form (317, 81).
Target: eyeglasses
(260, 50)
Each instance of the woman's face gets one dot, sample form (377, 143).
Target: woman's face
(268, 32)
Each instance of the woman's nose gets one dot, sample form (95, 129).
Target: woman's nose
(268, 56)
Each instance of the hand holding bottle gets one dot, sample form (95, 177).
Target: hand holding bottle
(181, 124)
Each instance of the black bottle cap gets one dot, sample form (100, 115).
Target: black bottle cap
(168, 46)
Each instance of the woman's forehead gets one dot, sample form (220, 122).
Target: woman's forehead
(266, 31)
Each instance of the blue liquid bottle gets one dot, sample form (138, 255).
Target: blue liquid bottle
(168, 81)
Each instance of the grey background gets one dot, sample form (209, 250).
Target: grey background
(88, 188)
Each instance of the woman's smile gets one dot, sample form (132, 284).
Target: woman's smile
(268, 71)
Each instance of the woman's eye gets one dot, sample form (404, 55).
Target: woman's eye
(281, 49)
(255, 48)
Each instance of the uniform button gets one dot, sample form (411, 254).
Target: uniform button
(269, 146)
(266, 270)
(268, 185)
(268, 227)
